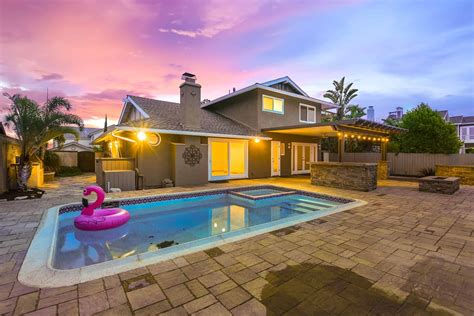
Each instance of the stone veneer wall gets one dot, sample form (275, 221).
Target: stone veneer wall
(465, 173)
(345, 175)
(437, 184)
(383, 170)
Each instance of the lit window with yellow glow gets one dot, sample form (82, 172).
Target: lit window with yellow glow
(272, 104)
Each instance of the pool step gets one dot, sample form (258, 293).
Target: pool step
(297, 209)
(322, 204)
(302, 207)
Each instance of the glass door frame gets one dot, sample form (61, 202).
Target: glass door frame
(272, 159)
(313, 152)
(229, 175)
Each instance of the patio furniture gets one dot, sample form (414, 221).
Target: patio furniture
(437, 184)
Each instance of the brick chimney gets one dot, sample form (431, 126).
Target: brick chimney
(190, 100)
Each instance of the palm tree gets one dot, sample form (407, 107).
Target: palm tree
(35, 126)
(341, 96)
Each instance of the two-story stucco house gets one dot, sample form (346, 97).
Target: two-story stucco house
(465, 129)
(230, 137)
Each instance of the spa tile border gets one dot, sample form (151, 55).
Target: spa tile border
(174, 196)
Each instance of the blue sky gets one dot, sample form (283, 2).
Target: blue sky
(397, 53)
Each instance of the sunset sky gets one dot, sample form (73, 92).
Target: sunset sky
(398, 53)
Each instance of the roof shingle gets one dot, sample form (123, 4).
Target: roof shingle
(170, 116)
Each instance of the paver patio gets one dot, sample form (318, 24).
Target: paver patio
(405, 252)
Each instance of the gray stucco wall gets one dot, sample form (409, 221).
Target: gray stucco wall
(153, 162)
(247, 109)
(241, 108)
(291, 111)
(259, 159)
(285, 160)
(184, 174)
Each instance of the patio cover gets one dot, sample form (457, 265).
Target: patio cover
(331, 129)
(339, 129)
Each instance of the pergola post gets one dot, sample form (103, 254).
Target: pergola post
(340, 147)
(383, 151)
(382, 170)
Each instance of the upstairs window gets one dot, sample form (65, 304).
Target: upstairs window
(272, 104)
(307, 113)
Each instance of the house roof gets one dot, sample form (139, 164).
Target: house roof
(84, 134)
(70, 144)
(267, 87)
(286, 80)
(443, 114)
(166, 115)
(460, 119)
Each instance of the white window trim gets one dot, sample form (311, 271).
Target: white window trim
(274, 98)
(228, 176)
(308, 106)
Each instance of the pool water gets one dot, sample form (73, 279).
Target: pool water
(159, 225)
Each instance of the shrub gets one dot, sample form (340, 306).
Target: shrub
(68, 171)
(51, 161)
(426, 172)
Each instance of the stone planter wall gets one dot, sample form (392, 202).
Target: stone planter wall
(437, 184)
(345, 175)
(464, 173)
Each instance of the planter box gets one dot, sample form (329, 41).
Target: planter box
(464, 173)
(437, 184)
(48, 176)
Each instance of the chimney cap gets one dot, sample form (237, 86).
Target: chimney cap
(188, 75)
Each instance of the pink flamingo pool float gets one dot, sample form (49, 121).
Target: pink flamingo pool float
(94, 218)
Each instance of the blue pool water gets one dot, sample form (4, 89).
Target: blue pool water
(158, 225)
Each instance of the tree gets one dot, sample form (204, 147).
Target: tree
(341, 96)
(427, 132)
(354, 111)
(35, 126)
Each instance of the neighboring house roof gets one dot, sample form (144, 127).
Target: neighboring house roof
(443, 114)
(267, 86)
(460, 119)
(71, 144)
(84, 134)
(456, 119)
(166, 115)
(468, 119)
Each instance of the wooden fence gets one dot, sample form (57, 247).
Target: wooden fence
(109, 164)
(406, 164)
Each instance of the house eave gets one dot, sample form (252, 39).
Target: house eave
(178, 132)
(324, 104)
(139, 109)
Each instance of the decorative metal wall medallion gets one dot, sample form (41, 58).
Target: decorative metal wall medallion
(192, 155)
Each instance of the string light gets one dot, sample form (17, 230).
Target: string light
(363, 137)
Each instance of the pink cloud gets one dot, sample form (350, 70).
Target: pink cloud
(96, 52)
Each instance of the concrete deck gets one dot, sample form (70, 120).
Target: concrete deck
(405, 252)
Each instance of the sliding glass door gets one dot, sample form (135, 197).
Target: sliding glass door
(227, 159)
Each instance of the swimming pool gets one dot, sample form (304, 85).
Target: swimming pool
(163, 227)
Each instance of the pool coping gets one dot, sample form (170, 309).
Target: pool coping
(37, 269)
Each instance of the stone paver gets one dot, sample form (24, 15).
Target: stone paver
(405, 252)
